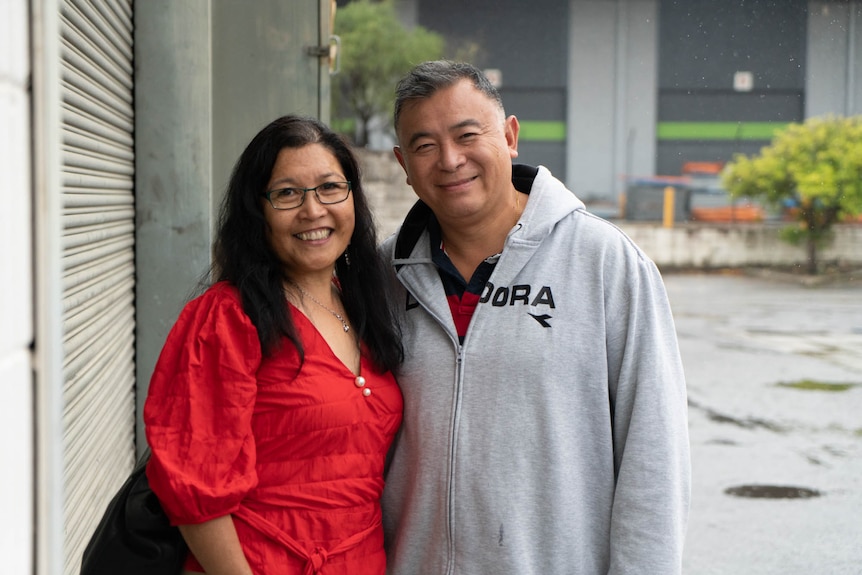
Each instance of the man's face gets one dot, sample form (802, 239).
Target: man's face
(457, 148)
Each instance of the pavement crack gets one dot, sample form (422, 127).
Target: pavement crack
(745, 423)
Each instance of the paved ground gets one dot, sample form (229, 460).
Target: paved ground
(741, 338)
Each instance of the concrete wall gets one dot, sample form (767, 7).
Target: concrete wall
(16, 305)
(385, 184)
(693, 245)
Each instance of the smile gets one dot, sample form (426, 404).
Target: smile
(458, 184)
(319, 234)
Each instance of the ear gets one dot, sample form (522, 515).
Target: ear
(512, 129)
(400, 157)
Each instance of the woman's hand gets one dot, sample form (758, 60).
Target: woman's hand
(216, 546)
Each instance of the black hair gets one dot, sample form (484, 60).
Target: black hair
(242, 254)
(429, 77)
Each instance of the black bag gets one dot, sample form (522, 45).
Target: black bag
(134, 536)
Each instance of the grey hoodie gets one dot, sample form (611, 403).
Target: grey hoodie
(554, 440)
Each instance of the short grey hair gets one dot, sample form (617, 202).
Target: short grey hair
(427, 78)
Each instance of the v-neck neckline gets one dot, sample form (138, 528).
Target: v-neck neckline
(319, 336)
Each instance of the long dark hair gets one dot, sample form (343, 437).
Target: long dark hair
(242, 254)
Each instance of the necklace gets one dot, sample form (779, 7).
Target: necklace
(337, 315)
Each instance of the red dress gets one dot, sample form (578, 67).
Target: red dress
(295, 454)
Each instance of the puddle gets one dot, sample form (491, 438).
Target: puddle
(772, 492)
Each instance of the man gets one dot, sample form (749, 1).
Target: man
(545, 427)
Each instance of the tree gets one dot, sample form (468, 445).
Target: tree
(376, 51)
(816, 167)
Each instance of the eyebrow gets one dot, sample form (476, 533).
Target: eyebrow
(291, 182)
(462, 124)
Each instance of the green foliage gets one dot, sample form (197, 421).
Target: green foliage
(800, 235)
(816, 167)
(376, 51)
(814, 385)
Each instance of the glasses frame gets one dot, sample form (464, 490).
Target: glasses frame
(268, 195)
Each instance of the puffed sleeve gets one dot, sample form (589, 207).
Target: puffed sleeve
(199, 408)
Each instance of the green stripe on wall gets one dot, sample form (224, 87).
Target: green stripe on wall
(534, 131)
(542, 132)
(719, 130)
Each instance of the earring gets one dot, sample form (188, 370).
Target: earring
(347, 257)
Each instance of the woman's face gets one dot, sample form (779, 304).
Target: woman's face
(308, 239)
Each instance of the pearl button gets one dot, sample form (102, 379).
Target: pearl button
(359, 381)
(366, 392)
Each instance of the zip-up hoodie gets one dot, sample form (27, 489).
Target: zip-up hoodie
(554, 440)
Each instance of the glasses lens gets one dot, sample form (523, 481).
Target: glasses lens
(286, 198)
(333, 192)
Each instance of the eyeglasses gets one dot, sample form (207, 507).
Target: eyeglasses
(291, 198)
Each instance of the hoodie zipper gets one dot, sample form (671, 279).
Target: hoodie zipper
(450, 496)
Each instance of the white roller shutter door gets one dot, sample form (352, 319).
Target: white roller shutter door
(98, 260)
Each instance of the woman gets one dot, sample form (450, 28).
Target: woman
(272, 405)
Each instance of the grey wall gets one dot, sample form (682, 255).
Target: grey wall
(260, 71)
(209, 75)
(611, 95)
(834, 72)
(702, 44)
(173, 183)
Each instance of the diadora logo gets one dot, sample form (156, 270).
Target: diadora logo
(542, 319)
(520, 294)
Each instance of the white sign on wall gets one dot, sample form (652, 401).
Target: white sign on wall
(743, 81)
(495, 76)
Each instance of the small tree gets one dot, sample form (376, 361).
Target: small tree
(376, 51)
(815, 166)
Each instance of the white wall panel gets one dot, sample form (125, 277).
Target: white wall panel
(16, 305)
(16, 453)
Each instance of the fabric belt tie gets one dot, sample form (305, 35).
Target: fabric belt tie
(315, 559)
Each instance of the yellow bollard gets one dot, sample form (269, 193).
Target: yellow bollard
(669, 195)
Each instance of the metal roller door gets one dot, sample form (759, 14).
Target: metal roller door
(98, 260)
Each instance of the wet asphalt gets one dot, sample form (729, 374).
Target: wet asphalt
(774, 375)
